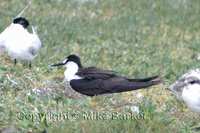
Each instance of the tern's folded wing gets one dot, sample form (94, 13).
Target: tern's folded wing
(95, 73)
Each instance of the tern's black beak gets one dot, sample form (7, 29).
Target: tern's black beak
(58, 64)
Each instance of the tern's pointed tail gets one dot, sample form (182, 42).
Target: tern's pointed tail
(125, 86)
(34, 30)
(144, 84)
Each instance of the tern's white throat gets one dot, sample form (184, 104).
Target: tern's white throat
(71, 70)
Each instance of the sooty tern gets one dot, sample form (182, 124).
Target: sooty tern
(18, 42)
(187, 89)
(93, 81)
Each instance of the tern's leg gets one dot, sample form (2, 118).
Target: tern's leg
(15, 61)
(30, 65)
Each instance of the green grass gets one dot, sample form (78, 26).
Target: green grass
(135, 38)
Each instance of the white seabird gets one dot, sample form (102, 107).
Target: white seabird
(18, 42)
(187, 88)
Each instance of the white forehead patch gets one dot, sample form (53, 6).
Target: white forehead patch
(64, 60)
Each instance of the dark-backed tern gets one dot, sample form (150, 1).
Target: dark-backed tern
(93, 81)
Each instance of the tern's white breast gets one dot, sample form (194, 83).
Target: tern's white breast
(70, 72)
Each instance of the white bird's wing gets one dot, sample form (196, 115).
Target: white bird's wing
(35, 43)
(35, 37)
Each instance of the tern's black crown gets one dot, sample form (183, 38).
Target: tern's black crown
(22, 21)
(75, 59)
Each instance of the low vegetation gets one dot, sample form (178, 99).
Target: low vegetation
(135, 38)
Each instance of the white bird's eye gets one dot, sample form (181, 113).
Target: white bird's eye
(192, 82)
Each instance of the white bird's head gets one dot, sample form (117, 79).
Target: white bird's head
(187, 89)
(21, 21)
(183, 83)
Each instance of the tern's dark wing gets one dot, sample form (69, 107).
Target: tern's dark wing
(95, 73)
(109, 86)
